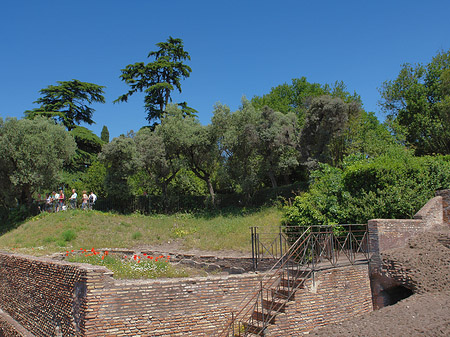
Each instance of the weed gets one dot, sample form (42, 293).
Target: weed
(136, 235)
(69, 235)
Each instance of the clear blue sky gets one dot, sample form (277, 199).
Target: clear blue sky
(238, 48)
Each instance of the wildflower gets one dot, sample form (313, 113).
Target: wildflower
(103, 256)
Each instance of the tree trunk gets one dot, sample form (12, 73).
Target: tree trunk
(272, 179)
(211, 191)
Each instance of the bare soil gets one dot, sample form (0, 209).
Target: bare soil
(427, 312)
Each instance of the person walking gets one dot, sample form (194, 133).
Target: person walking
(61, 200)
(55, 201)
(73, 199)
(84, 200)
(92, 200)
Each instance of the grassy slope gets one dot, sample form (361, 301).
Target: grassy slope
(47, 233)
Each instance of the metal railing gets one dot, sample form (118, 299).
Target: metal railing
(269, 247)
(312, 248)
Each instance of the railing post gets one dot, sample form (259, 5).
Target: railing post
(262, 304)
(352, 254)
(254, 259)
(281, 243)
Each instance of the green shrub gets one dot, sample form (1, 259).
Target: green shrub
(389, 186)
(68, 235)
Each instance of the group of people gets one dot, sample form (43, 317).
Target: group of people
(56, 201)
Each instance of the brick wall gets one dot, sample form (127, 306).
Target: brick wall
(334, 296)
(445, 194)
(393, 233)
(55, 298)
(43, 296)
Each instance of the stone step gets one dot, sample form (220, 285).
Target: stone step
(254, 329)
(264, 317)
(274, 306)
(292, 283)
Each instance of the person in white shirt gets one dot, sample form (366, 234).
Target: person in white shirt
(73, 199)
(92, 200)
(56, 202)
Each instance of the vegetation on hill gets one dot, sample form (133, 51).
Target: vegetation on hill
(75, 229)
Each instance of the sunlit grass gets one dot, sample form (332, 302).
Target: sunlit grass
(213, 231)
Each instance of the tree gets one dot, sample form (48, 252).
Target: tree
(31, 159)
(298, 96)
(417, 104)
(276, 143)
(120, 158)
(160, 162)
(104, 136)
(158, 78)
(196, 144)
(326, 120)
(88, 147)
(68, 102)
(237, 139)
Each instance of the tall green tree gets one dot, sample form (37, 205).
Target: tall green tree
(326, 121)
(104, 136)
(68, 102)
(88, 147)
(159, 160)
(120, 159)
(159, 78)
(196, 144)
(237, 140)
(31, 159)
(417, 104)
(276, 142)
(298, 96)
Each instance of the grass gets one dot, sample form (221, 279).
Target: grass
(213, 231)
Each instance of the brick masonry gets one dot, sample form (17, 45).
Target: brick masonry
(49, 298)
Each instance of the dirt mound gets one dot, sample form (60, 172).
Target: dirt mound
(426, 260)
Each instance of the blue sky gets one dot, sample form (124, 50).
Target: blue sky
(238, 48)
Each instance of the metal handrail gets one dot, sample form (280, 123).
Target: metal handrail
(314, 245)
(270, 278)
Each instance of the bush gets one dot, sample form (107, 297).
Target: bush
(385, 187)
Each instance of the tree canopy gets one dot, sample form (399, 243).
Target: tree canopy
(298, 96)
(417, 104)
(158, 78)
(31, 159)
(68, 102)
(104, 136)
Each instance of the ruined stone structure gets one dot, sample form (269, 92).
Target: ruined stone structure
(43, 297)
(388, 280)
